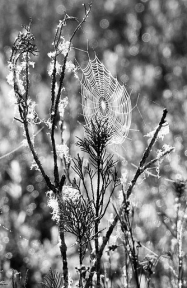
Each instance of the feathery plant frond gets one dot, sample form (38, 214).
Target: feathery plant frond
(53, 279)
(78, 218)
(101, 170)
(98, 135)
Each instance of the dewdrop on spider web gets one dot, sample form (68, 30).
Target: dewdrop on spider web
(103, 97)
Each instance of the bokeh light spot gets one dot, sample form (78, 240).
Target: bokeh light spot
(35, 193)
(166, 52)
(8, 255)
(30, 188)
(60, 9)
(5, 239)
(133, 50)
(167, 94)
(5, 208)
(104, 23)
(146, 37)
(177, 70)
(139, 8)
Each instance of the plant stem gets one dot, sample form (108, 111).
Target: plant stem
(80, 262)
(97, 223)
(35, 156)
(63, 250)
(180, 260)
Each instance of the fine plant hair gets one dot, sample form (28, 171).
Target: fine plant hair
(80, 204)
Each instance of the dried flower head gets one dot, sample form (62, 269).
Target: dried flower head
(19, 63)
(24, 43)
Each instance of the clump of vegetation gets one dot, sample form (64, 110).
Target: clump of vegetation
(80, 203)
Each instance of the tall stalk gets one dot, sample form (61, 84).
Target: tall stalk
(22, 49)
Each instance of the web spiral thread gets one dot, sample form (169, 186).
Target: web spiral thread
(104, 97)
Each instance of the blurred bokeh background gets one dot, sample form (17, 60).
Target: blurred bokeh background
(143, 44)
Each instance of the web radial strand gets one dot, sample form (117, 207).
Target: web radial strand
(89, 104)
(102, 95)
(90, 84)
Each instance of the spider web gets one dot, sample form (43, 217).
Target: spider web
(102, 95)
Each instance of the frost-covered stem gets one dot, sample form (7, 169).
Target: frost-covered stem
(97, 220)
(79, 165)
(126, 227)
(54, 113)
(91, 183)
(158, 158)
(180, 257)
(100, 252)
(53, 83)
(63, 246)
(111, 193)
(106, 182)
(63, 250)
(55, 105)
(141, 169)
(56, 172)
(35, 156)
(87, 12)
(80, 263)
(154, 138)
(80, 252)
(126, 276)
(85, 188)
(135, 259)
(27, 76)
(63, 177)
